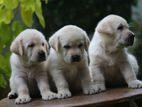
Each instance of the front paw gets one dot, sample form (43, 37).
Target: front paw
(94, 88)
(64, 93)
(135, 84)
(12, 95)
(49, 95)
(23, 99)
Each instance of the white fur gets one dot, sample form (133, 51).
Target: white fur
(64, 72)
(24, 68)
(108, 60)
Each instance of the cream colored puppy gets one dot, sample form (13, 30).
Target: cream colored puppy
(29, 52)
(68, 63)
(109, 60)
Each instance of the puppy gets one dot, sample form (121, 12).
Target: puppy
(68, 63)
(29, 52)
(109, 60)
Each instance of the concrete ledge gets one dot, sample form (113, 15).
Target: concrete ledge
(110, 96)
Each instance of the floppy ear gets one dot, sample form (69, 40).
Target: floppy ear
(17, 47)
(87, 41)
(54, 42)
(104, 27)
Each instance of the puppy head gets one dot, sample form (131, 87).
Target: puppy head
(70, 42)
(115, 29)
(30, 44)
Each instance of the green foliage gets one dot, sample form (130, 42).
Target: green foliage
(27, 8)
(7, 33)
(15, 15)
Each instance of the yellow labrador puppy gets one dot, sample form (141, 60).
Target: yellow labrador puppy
(29, 52)
(68, 63)
(109, 60)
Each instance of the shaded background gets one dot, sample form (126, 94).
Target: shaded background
(85, 14)
(82, 13)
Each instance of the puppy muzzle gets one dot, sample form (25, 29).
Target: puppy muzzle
(75, 58)
(41, 56)
(130, 39)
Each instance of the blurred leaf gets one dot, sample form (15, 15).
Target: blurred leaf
(5, 34)
(3, 61)
(27, 16)
(4, 70)
(11, 4)
(16, 27)
(1, 1)
(6, 15)
(2, 81)
(28, 5)
(38, 12)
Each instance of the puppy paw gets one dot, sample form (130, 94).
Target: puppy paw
(12, 95)
(64, 94)
(23, 99)
(135, 84)
(89, 90)
(99, 87)
(49, 96)
(95, 88)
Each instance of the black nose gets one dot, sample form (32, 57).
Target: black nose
(41, 56)
(131, 35)
(130, 39)
(75, 58)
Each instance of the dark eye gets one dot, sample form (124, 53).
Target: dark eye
(120, 27)
(80, 45)
(67, 47)
(31, 45)
(42, 44)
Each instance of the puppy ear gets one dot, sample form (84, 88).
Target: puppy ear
(54, 42)
(104, 27)
(17, 47)
(87, 41)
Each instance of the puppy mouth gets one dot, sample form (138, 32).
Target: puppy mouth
(75, 58)
(41, 59)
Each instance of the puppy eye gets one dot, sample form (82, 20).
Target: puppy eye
(80, 45)
(42, 44)
(67, 47)
(120, 27)
(31, 45)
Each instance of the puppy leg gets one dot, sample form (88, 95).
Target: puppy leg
(86, 84)
(97, 78)
(61, 84)
(44, 88)
(12, 94)
(22, 91)
(130, 76)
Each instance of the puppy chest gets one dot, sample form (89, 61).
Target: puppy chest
(71, 73)
(109, 60)
(32, 73)
(113, 76)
